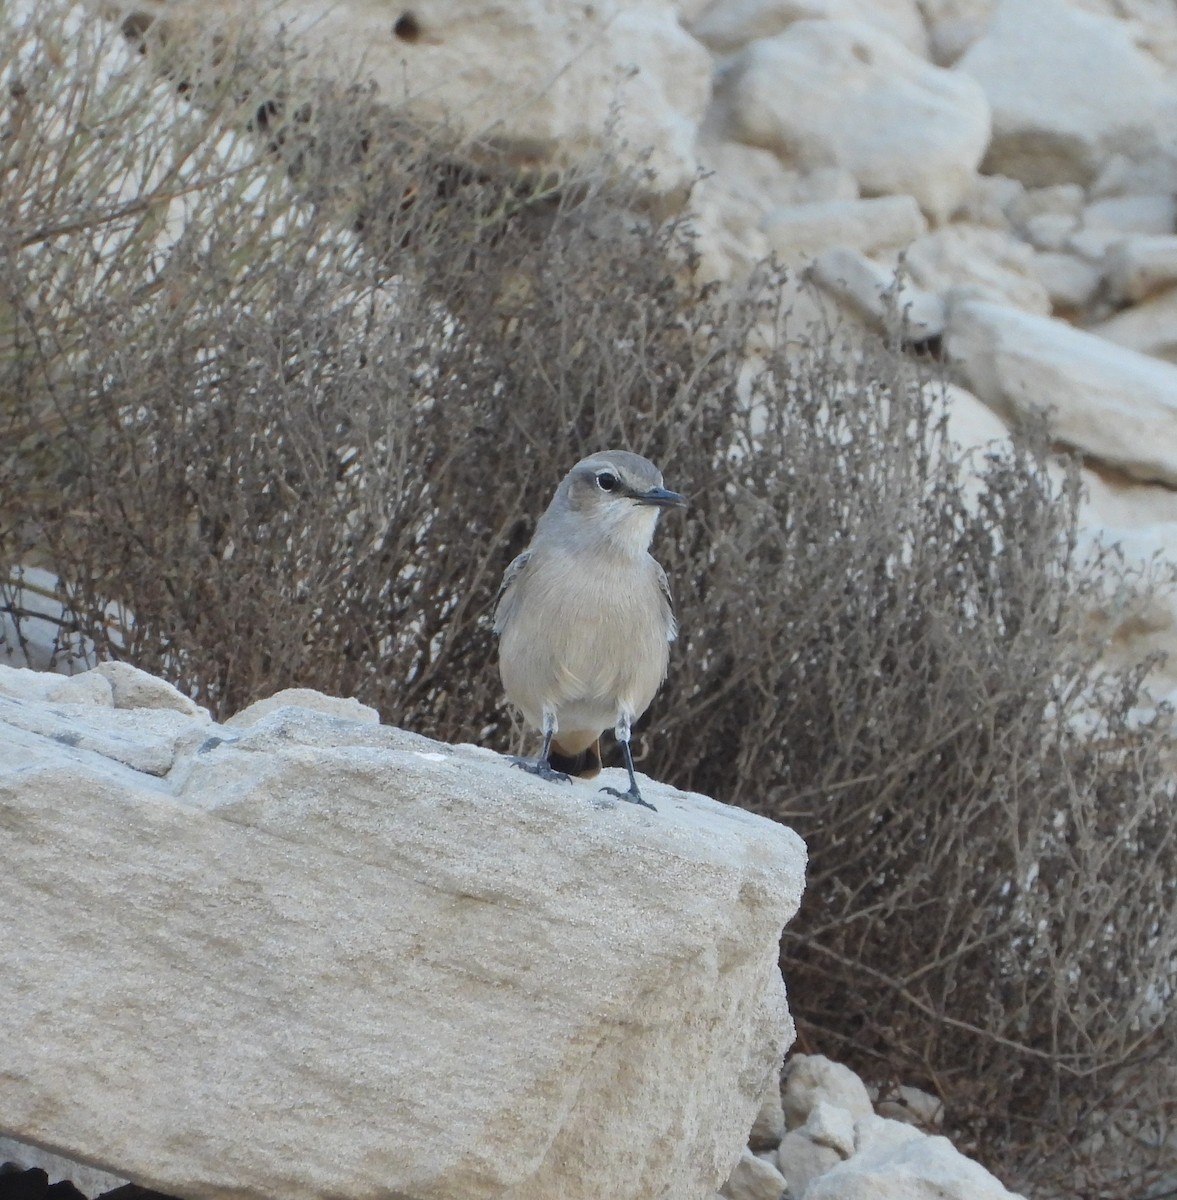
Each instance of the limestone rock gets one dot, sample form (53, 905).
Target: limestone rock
(1067, 88)
(1138, 267)
(921, 1168)
(344, 707)
(1070, 281)
(728, 25)
(972, 425)
(873, 292)
(841, 93)
(769, 1126)
(832, 1126)
(987, 201)
(880, 1134)
(953, 26)
(1112, 404)
(801, 1160)
(540, 76)
(754, 1179)
(132, 688)
(971, 261)
(800, 231)
(1148, 328)
(335, 936)
(1152, 214)
(810, 1078)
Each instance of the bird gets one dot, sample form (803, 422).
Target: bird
(585, 619)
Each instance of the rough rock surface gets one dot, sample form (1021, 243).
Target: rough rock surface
(1115, 404)
(310, 955)
(1067, 89)
(571, 67)
(840, 93)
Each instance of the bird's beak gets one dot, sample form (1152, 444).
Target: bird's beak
(661, 498)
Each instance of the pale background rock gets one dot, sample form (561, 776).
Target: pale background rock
(963, 261)
(727, 25)
(811, 1078)
(572, 68)
(754, 1179)
(841, 93)
(1067, 88)
(1117, 405)
(871, 291)
(431, 974)
(800, 231)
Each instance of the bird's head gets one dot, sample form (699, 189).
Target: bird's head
(615, 496)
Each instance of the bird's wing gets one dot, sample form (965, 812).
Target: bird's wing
(510, 575)
(672, 620)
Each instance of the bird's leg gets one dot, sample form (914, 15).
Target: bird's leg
(634, 796)
(542, 766)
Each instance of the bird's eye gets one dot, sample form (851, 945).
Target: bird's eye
(607, 481)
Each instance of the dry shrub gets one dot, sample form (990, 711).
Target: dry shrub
(296, 401)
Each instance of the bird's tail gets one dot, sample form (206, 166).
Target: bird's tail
(586, 764)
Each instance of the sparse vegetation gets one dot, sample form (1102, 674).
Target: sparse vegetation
(286, 378)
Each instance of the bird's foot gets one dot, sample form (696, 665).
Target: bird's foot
(633, 796)
(540, 767)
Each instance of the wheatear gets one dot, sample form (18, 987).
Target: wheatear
(584, 616)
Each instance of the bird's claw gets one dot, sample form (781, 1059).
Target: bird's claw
(538, 766)
(632, 797)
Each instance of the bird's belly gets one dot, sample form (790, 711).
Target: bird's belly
(589, 670)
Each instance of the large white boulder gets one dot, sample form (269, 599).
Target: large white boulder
(1068, 89)
(543, 77)
(841, 93)
(1113, 404)
(313, 956)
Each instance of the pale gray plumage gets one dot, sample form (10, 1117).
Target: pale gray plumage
(584, 615)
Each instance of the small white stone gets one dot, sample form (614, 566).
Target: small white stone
(1071, 282)
(1155, 214)
(753, 1179)
(133, 688)
(876, 294)
(769, 1126)
(1050, 231)
(880, 1133)
(1138, 267)
(801, 231)
(345, 707)
(810, 1078)
(801, 1160)
(829, 1125)
(727, 25)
